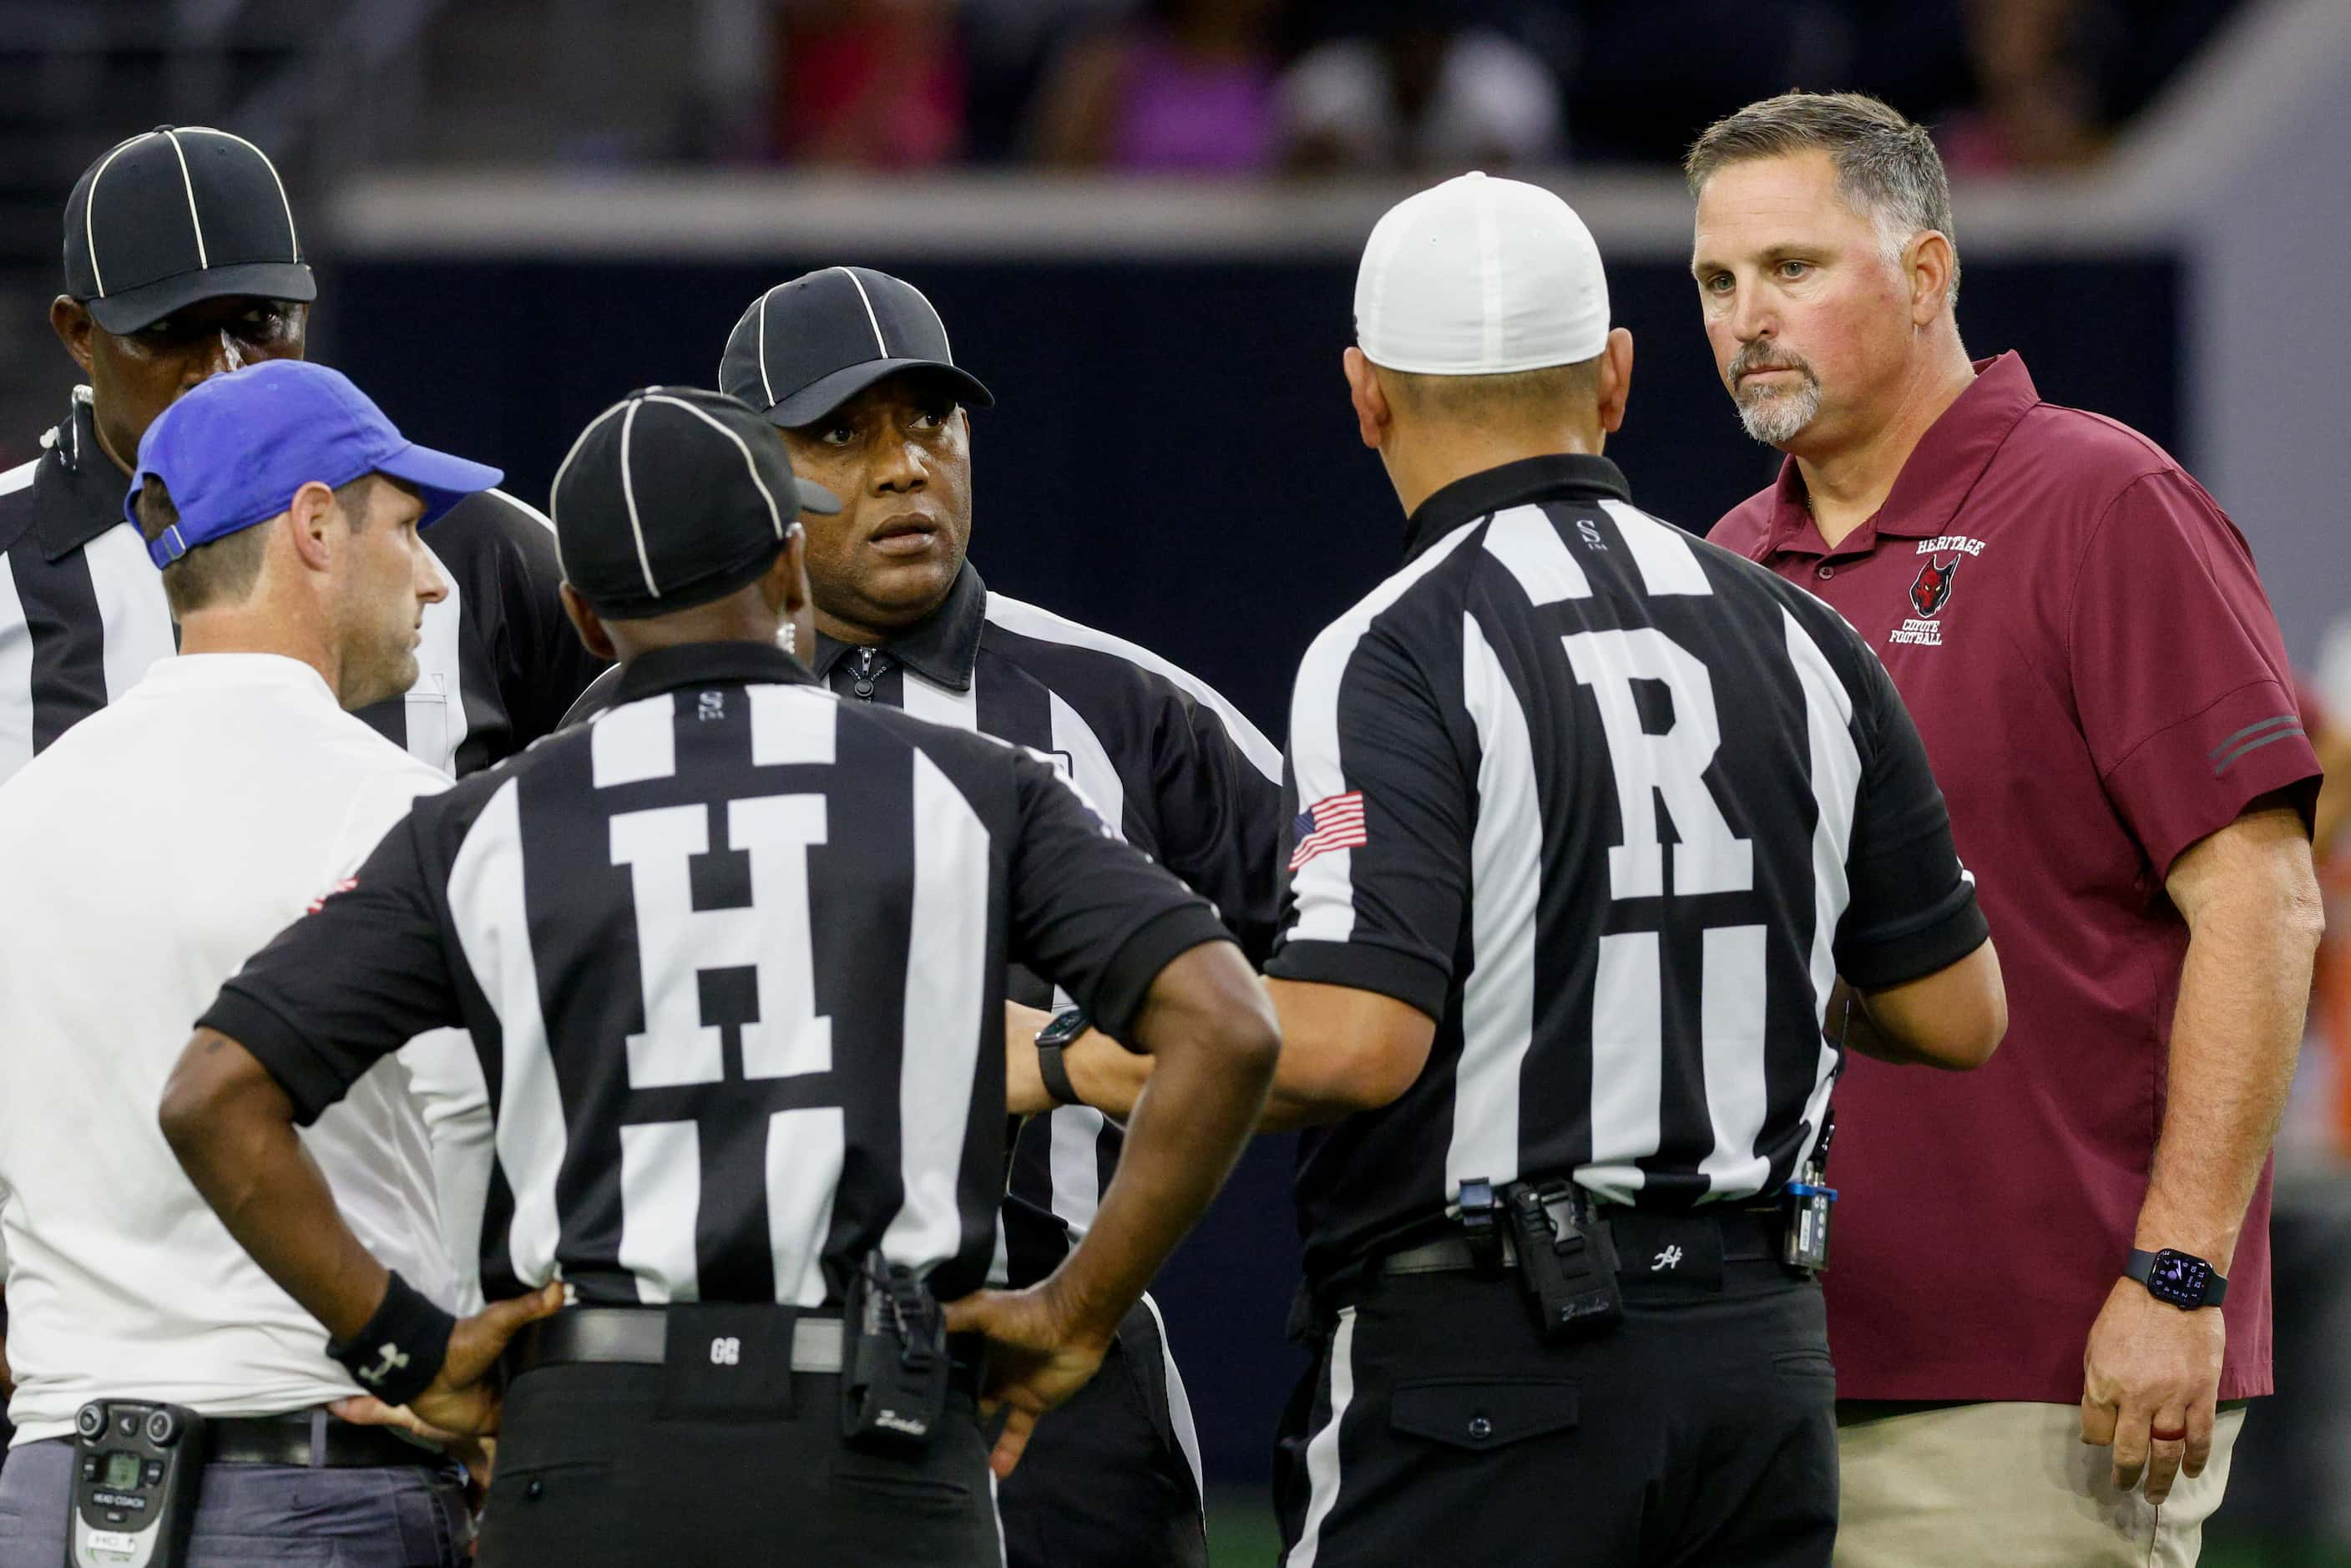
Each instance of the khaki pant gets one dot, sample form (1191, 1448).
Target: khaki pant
(1969, 1485)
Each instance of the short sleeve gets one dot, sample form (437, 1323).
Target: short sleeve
(365, 972)
(1911, 906)
(1220, 817)
(1378, 850)
(1087, 910)
(2179, 677)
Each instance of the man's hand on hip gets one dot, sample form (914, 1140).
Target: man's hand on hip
(1036, 1359)
(463, 1402)
(2150, 1386)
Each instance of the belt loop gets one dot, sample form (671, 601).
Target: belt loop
(318, 1437)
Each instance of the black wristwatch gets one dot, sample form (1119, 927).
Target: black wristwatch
(1051, 1040)
(2182, 1278)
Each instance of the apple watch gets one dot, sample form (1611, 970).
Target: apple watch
(2182, 1278)
(1051, 1040)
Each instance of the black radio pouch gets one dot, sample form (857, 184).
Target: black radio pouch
(1567, 1265)
(894, 1364)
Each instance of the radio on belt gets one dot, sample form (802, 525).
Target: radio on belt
(895, 1366)
(1809, 1200)
(137, 1470)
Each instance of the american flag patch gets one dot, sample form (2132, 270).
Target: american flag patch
(1336, 823)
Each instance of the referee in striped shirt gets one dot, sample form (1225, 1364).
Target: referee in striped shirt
(854, 367)
(734, 957)
(1591, 818)
(182, 259)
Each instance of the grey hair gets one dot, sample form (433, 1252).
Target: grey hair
(1887, 168)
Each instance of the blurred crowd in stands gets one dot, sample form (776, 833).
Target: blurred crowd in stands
(1258, 87)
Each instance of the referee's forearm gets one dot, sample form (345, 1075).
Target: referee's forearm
(1213, 1042)
(231, 1127)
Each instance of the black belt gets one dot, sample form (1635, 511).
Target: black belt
(1749, 1235)
(639, 1336)
(305, 1443)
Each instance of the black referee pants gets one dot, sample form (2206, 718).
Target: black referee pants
(590, 1476)
(1436, 1427)
(1105, 1481)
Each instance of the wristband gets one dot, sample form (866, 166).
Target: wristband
(399, 1354)
(1051, 1040)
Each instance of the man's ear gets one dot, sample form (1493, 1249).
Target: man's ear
(70, 320)
(1615, 378)
(1932, 262)
(799, 595)
(584, 621)
(312, 520)
(1373, 414)
(784, 586)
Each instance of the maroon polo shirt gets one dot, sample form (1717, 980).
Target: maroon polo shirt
(2078, 630)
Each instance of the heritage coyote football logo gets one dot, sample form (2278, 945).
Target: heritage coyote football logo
(1932, 590)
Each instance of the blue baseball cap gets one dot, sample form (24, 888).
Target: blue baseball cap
(237, 447)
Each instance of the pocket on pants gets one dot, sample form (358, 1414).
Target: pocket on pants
(520, 1487)
(902, 1485)
(1484, 1414)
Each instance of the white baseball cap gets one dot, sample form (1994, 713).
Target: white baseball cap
(1478, 277)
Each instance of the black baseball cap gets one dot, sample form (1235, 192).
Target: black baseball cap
(177, 214)
(806, 346)
(672, 498)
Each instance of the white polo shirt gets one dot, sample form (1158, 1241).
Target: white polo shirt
(143, 858)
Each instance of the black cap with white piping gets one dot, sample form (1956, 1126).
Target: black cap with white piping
(672, 498)
(177, 214)
(806, 346)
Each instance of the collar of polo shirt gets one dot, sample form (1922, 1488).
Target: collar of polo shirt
(1934, 484)
(941, 647)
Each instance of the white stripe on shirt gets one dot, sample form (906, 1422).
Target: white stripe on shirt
(926, 699)
(1325, 886)
(1498, 999)
(1028, 621)
(1660, 550)
(946, 993)
(1076, 1130)
(492, 929)
(16, 676)
(1836, 786)
(1525, 541)
(134, 617)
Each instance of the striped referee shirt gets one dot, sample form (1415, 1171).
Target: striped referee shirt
(1615, 807)
(733, 958)
(1172, 766)
(82, 615)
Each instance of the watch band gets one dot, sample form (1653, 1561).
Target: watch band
(2141, 1267)
(1051, 1041)
(1056, 1074)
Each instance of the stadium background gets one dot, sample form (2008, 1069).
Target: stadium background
(522, 208)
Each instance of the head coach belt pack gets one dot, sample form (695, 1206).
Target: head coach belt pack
(138, 1468)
